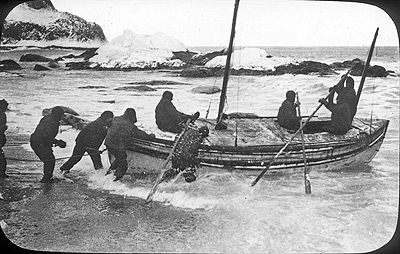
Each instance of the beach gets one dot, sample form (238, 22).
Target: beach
(352, 210)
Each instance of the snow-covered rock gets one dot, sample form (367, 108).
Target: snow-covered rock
(250, 58)
(38, 23)
(132, 50)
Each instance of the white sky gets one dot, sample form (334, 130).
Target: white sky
(259, 23)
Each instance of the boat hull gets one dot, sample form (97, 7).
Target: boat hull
(323, 151)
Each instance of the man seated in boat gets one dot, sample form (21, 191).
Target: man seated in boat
(185, 158)
(340, 116)
(118, 140)
(168, 118)
(347, 93)
(339, 89)
(287, 116)
(351, 96)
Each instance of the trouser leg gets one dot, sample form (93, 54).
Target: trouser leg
(96, 158)
(78, 152)
(120, 163)
(45, 154)
(3, 162)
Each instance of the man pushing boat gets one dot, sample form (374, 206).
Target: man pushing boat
(118, 140)
(184, 158)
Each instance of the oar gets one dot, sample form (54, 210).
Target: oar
(297, 132)
(307, 183)
(164, 166)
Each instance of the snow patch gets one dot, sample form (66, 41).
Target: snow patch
(251, 58)
(139, 50)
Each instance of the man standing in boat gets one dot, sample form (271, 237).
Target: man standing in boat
(89, 140)
(3, 128)
(287, 115)
(118, 140)
(185, 155)
(168, 118)
(340, 117)
(43, 138)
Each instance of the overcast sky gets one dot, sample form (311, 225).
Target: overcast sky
(260, 22)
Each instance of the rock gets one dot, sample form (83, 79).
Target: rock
(70, 117)
(379, 71)
(346, 64)
(34, 58)
(78, 65)
(201, 72)
(206, 89)
(58, 25)
(305, 67)
(136, 88)
(357, 67)
(89, 53)
(110, 101)
(68, 110)
(196, 58)
(54, 64)
(92, 87)
(39, 67)
(9, 65)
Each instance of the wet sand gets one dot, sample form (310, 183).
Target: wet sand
(62, 216)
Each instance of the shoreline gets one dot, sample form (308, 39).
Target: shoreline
(62, 216)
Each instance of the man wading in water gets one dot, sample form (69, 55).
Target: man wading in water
(185, 156)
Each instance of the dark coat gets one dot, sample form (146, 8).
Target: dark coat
(121, 131)
(287, 117)
(340, 117)
(168, 117)
(93, 134)
(46, 130)
(187, 149)
(350, 97)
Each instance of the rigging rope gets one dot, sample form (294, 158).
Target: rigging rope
(373, 97)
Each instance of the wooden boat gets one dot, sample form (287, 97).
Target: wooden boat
(260, 139)
(251, 143)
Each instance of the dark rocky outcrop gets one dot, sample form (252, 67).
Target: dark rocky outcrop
(70, 117)
(206, 89)
(136, 88)
(306, 67)
(78, 65)
(54, 64)
(9, 65)
(194, 58)
(68, 26)
(34, 58)
(39, 67)
(89, 53)
(92, 87)
(357, 67)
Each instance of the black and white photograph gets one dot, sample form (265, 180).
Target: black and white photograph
(199, 126)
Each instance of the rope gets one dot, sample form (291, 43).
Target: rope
(56, 159)
(372, 102)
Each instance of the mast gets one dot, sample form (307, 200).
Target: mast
(227, 65)
(365, 70)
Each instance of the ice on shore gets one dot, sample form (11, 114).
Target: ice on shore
(139, 50)
(251, 58)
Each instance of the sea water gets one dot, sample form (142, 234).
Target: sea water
(352, 210)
